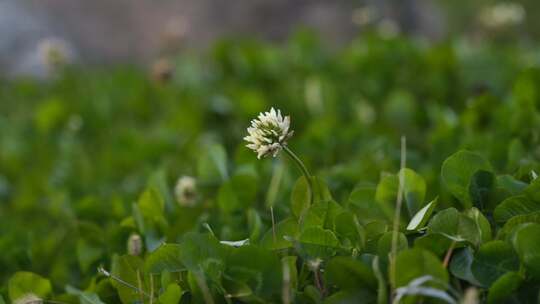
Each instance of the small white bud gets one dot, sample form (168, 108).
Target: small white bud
(314, 264)
(185, 191)
(134, 244)
(54, 52)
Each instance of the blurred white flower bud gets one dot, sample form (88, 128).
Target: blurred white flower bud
(314, 264)
(365, 112)
(54, 52)
(75, 123)
(364, 15)
(502, 14)
(45, 58)
(185, 191)
(134, 245)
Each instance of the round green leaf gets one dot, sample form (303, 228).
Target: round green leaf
(460, 265)
(23, 282)
(527, 244)
(504, 287)
(284, 231)
(384, 245)
(300, 194)
(317, 243)
(434, 242)
(482, 224)
(492, 260)
(350, 296)
(481, 188)
(512, 224)
(386, 194)
(348, 273)
(166, 257)
(131, 269)
(321, 214)
(414, 263)
(362, 199)
(258, 268)
(455, 226)
(414, 190)
(513, 206)
(457, 171)
(346, 225)
(171, 295)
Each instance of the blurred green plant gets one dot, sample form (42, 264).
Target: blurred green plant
(89, 162)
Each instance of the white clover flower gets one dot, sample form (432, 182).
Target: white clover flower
(268, 133)
(185, 191)
(55, 52)
(502, 15)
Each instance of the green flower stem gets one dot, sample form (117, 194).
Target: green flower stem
(448, 255)
(119, 280)
(303, 169)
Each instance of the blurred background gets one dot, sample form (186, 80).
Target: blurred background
(127, 31)
(100, 99)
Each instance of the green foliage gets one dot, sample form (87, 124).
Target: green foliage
(414, 263)
(23, 283)
(504, 288)
(317, 243)
(89, 164)
(527, 244)
(348, 273)
(458, 171)
(85, 297)
(420, 219)
(131, 271)
(171, 295)
(455, 226)
(493, 260)
(165, 258)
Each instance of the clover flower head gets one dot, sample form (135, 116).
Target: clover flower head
(268, 133)
(185, 191)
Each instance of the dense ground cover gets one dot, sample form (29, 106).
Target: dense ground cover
(89, 162)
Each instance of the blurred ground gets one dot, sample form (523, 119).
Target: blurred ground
(101, 31)
(138, 31)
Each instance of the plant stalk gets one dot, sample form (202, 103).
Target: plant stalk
(449, 254)
(304, 170)
(397, 215)
(119, 280)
